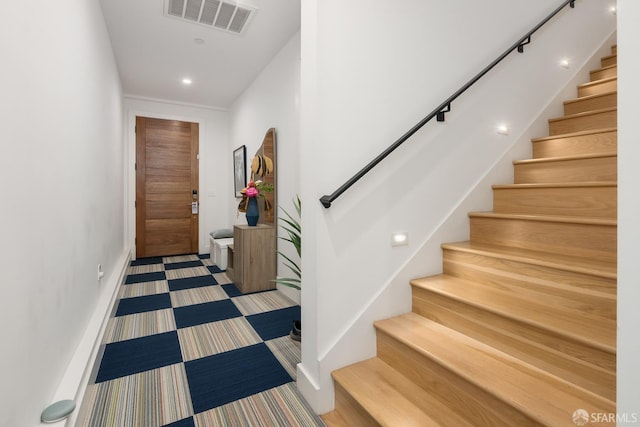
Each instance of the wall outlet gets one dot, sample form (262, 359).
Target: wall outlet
(100, 272)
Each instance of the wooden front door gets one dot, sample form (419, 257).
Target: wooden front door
(166, 182)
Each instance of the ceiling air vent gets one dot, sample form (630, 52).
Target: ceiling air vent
(222, 15)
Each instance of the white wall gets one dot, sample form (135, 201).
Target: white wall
(628, 208)
(367, 78)
(272, 101)
(62, 188)
(215, 165)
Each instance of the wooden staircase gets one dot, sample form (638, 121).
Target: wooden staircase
(520, 329)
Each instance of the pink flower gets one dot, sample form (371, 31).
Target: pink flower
(251, 192)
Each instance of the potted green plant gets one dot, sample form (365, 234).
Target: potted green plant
(294, 236)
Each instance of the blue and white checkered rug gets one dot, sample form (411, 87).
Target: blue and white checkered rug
(184, 347)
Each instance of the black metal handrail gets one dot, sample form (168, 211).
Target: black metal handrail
(441, 109)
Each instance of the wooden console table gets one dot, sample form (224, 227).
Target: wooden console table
(251, 260)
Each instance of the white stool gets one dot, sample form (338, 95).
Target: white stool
(218, 251)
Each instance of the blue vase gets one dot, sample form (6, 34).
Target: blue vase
(252, 212)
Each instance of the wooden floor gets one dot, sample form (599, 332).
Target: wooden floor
(520, 328)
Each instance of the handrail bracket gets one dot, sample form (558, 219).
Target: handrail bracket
(441, 113)
(523, 43)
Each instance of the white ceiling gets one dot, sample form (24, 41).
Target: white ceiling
(155, 52)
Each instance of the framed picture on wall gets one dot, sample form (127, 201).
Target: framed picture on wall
(239, 169)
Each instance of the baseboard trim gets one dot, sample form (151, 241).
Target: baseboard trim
(75, 379)
(322, 401)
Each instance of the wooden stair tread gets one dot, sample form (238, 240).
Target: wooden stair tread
(584, 98)
(334, 419)
(391, 398)
(547, 218)
(594, 184)
(597, 82)
(595, 331)
(542, 397)
(584, 114)
(573, 134)
(564, 158)
(608, 67)
(603, 72)
(558, 261)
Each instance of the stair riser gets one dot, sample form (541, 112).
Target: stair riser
(609, 60)
(597, 242)
(461, 396)
(570, 360)
(583, 105)
(600, 202)
(595, 143)
(603, 73)
(574, 170)
(564, 289)
(350, 410)
(599, 120)
(598, 87)
(614, 49)
(522, 284)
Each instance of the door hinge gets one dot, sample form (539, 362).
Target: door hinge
(135, 203)
(135, 129)
(135, 166)
(135, 240)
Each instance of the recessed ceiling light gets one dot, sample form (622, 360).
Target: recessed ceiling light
(613, 10)
(186, 81)
(564, 63)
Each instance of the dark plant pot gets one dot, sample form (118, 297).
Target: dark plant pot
(252, 212)
(296, 331)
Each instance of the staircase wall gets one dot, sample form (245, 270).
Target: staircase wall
(357, 99)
